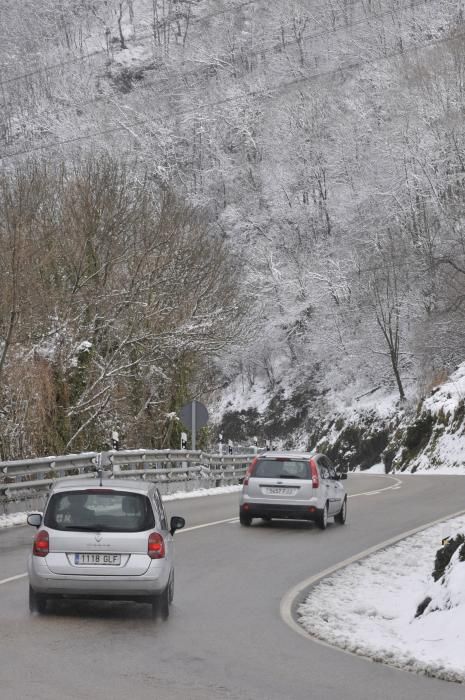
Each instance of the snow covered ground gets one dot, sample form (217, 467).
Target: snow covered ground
(12, 519)
(369, 607)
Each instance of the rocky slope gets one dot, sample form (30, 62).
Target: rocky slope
(428, 435)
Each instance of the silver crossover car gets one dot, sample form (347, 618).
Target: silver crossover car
(109, 541)
(301, 486)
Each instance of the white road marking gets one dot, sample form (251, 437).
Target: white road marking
(12, 578)
(199, 527)
(396, 485)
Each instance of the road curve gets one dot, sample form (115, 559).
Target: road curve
(225, 638)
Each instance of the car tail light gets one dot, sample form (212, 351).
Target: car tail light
(314, 474)
(41, 544)
(249, 471)
(156, 546)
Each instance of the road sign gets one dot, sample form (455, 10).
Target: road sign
(193, 415)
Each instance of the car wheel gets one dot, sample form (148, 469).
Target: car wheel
(245, 519)
(37, 602)
(342, 515)
(323, 518)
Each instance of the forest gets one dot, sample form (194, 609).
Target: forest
(194, 193)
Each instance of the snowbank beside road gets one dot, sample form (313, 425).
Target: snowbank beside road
(13, 519)
(201, 492)
(369, 607)
(443, 470)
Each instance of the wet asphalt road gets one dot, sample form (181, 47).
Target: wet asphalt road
(225, 638)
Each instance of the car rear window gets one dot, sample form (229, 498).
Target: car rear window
(282, 469)
(102, 510)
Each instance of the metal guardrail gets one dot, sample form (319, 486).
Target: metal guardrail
(27, 480)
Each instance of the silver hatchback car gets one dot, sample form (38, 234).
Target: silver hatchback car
(296, 485)
(109, 541)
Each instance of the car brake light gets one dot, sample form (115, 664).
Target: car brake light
(249, 471)
(41, 544)
(156, 546)
(314, 474)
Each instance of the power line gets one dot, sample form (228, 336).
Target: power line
(244, 54)
(97, 52)
(204, 18)
(105, 100)
(50, 67)
(270, 93)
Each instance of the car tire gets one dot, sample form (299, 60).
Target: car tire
(37, 602)
(266, 519)
(323, 518)
(161, 604)
(171, 588)
(245, 519)
(342, 515)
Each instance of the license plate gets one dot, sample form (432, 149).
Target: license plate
(279, 491)
(98, 559)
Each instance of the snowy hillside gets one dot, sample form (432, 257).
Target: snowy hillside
(435, 439)
(312, 154)
(372, 430)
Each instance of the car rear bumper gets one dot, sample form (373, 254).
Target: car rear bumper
(279, 510)
(42, 580)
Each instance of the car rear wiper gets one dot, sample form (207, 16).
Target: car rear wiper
(289, 476)
(91, 528)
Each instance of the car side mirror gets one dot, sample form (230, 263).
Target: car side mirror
(176, 523)
(34, 519)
